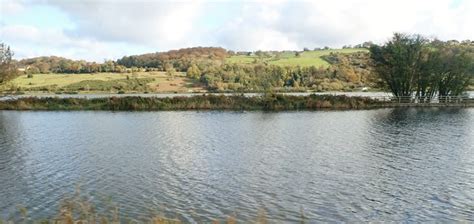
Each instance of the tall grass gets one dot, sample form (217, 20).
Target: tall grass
(268, 102)
(80, 209)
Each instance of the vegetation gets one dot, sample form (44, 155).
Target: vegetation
(53, 64)
(179, 60)
(82, 209)
(290, 58)
(413, 65)
(260, 77)
(344, 74)
(270, 102)
(406, 65)
(7, 67)
(102, 82)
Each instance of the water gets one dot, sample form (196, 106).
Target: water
(397, 165)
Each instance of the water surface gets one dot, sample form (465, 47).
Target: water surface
(373, 165)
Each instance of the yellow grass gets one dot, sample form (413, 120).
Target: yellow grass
(161, 81)
(62, 80)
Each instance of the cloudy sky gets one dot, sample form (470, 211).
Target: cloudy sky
(108, 29)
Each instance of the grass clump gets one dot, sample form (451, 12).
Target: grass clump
(138, 84)
(84, 210)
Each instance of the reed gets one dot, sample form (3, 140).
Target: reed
(268, 102)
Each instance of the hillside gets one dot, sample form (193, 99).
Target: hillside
(291, 58)
(202, 68)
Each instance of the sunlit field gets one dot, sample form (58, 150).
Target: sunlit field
(100, 82)
(290, 58)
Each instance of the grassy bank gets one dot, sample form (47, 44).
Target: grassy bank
(269, 102)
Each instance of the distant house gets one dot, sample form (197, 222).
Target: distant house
(23, 69)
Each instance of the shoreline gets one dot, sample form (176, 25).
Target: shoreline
(264, 102)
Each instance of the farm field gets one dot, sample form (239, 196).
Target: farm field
(289, 58)
(104, 82)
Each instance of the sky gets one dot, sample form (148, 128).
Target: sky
(98, 30)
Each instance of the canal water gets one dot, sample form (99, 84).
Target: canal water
(401, 165)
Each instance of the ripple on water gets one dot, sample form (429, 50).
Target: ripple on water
(400, 165)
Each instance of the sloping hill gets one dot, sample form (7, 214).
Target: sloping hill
(291, 58)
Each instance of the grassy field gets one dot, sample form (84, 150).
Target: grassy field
(288, 58)
(100, 82)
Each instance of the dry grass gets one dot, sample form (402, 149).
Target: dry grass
(57, 82)
(80, 210)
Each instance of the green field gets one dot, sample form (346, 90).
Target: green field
(288, 58)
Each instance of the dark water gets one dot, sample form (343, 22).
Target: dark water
(377, 165)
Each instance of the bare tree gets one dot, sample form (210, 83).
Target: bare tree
(7, 66)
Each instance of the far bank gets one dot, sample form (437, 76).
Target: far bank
(266, 102)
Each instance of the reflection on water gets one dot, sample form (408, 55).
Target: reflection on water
(386, 165)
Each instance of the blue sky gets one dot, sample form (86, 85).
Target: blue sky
(106, 29)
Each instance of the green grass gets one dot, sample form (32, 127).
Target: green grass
(241, 59)
(288, 58)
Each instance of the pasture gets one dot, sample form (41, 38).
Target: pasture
(104, 82)
(290, 58)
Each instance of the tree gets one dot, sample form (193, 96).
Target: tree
(43, 67)
(431, 69)
(457, 70)
(367, 44)
(194, 72)
(170, 70)
(399, 62)
(411, 64)
(7, 66)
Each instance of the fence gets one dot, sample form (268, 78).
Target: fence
(464, 100)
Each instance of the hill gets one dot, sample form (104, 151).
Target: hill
(290, 58)
(211, 68)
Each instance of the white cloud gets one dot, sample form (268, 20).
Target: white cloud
(159, 24)
(10, 7)
(110, 29)
(29, 41)
(338, 22)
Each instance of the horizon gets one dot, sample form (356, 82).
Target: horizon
(99, 30)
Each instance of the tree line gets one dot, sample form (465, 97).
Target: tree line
(55, 64)
(179, 60)
(262, 77)
(414, 66)
(406, 65)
